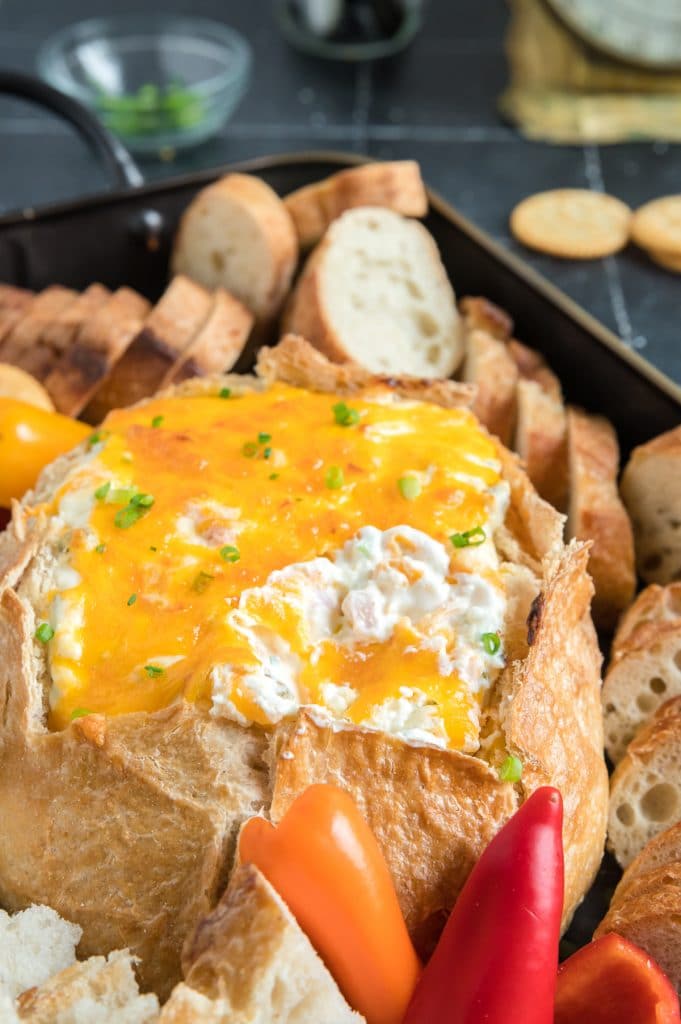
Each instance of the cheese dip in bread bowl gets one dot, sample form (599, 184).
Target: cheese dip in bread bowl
(250, 584)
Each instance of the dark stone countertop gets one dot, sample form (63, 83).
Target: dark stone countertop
(435, 103)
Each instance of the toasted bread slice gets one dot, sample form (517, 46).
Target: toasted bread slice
(396, 185)
(596, 513)
(651, 490)
(479, 314)
(645, 665)
(22, 346)
(252, 963)
(374, 292)
(156, 346)
(12, 297)
(662, 851)
(60, 332)
(238, 235)
(16, 383)
(489, 367)
(100, 342)
(532, 366)
(218, 342)
(541, 440)
(645, 790)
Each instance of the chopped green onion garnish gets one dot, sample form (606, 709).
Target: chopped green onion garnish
(229, 553)
(334, 478)
(224, 392)
(102, 491)
(157, 421)
(80, 713)
(409, 486)
(100, 549)
(344, 415)
(132, 599)
(491, 642)
(142, 500)
(266, 452)
(99, 435)
(511, 769)
(274, 476)
(264, 438)
(152, 548)
(250, 449)
(44, 632)
(469, 538)
(202, 582)
(153, 671)
(128, 516)
(121, 495)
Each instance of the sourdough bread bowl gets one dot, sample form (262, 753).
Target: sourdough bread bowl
(126, 769)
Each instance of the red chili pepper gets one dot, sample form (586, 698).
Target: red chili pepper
(611, 981)
(497, 958)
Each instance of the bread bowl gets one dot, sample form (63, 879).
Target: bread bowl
(125, 822)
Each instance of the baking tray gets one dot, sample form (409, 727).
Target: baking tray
(124, 237)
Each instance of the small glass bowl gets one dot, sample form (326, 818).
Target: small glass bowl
(158, 82)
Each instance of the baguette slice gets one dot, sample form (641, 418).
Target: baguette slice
(645, 789)
(60, 332)
(663, 850)
(251, 963)
(479, 314)
(645, 665)
(532, 366)
(160, 341)
(16, 383)
(99, 344)
(375, 292)
(396, 185)
(596, 513)
(22, 346)
(651, 490)
(541, 440)
(12, 297)
(218, 342)
(489, 367)
(238, 235)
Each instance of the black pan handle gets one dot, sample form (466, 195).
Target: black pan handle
(114, 155)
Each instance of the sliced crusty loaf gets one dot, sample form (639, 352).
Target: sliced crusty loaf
(596, 513)
(662, 851)
(489, 367)
(253, 964)
(479, 313)
(375, 292)
(238, 235)
(396, 185)
(58, 334)
(645, 665)
(541, 440)
(645, 789)
(22, 345)
(218, 342)
(532, 366)
(101, 340)
(651, 490)
(159, 342)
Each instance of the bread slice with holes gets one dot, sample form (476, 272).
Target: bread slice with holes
(645, 789)
(252, 963)
(596, 513)
(489, 367)
(22, 345)
(99, 344)
(396, 185)
(651, 490)
(541, 440)
(645, 665)
(375, 292)
(238, 235)
(218, 342)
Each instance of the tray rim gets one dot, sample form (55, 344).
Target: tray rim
(531, 277)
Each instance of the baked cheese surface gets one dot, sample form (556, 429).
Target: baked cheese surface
(262, 551)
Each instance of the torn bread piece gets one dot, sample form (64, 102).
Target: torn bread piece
(596, 513)
(251, 962)
(488, 366)
(217, 343)
(541, 440)
(101, 340)
(35, 944)
(22, 345)
(395, 184)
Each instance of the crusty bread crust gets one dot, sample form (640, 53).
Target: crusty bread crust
(541, 440)
(652, 494)
(490, 368)
(532, 366)
(396, 185)
(479, 314)
(22, 345)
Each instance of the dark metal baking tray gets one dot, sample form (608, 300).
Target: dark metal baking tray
(124, 238)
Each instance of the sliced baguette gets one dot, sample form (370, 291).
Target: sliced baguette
(375, 292)
(253, 964)
(489, 367)
(541, 440)
(238, 235)
(596, 513)
(60, 332)
(479, 314)
(22, 346)
(662, 851)
(218, 342)
(651, 490)
(532, 366)
(12, 297)
(100, 342)
(16, 383)
(396, 185)
(645, 789)
(645, 665)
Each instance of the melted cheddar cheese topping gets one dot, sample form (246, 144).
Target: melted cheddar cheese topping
(263, 551)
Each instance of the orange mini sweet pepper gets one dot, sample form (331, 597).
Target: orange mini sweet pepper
(30, 438)
(611, 981)
(325, 863)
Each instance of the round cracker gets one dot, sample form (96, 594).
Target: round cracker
(16, 383)
(572, 223)
(668, 260)
(657, 225)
